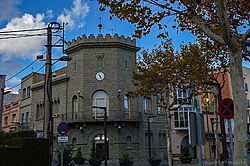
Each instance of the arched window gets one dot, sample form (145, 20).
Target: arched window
(74, 143)
(38, 111)
(129, 141)
(126, 103)
(147, 104)
(74, 108)
(54, 105)
(100, 99)
(58, 108)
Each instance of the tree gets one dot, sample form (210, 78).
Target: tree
(161, 72)
(223, 25)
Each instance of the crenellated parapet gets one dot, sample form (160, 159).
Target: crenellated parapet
(101, 39)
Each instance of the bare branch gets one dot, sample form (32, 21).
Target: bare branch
(225, 25)
(206, 30)
(245, 36)
(247, 43)
(163, 6)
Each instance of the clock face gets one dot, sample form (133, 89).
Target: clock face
(99, 76)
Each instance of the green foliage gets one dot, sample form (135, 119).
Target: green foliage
(26, 152)
(93, 155)
(163, 70)
(94, 159)
(78, 157)
(67, 155)
(125, 157)
(5, 136)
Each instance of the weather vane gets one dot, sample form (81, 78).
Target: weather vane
(100, 26)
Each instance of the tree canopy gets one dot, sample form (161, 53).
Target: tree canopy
(222, 26)
(162, 69)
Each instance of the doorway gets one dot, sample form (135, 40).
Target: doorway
(192, 149)
(99, 146)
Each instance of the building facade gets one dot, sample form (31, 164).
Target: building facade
(10, 117)
(99, 75)
(25, 99)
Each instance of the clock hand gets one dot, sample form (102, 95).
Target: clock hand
(99, 75)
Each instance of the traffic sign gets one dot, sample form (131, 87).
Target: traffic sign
(226, 108)
(63, 139)
(63, 128)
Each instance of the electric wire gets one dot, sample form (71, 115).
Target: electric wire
(23, 30)
(11, 88)
(30, 63)
(21, 70)
(22, 36)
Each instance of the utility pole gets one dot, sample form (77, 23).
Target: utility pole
(47, 125)
(2, 86)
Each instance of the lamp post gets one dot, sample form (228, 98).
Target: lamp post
(222, 124)
(105, 133)
(149, 133)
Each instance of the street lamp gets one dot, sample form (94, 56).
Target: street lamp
(222, 124)
(105, 133)
(149, 133)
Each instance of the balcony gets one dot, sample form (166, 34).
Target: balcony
(112, 116)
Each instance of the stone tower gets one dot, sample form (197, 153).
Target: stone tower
(100, 75)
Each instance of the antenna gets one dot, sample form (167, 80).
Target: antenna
(100, 26)
(112, 31)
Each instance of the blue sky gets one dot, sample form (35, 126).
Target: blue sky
(82, 17)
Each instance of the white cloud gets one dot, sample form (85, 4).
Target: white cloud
(75, 16)
(49, 14)
(23, 47)
(8, 9)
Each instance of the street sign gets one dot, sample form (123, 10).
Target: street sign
(62, 139)
(226, 108)
(63, 128)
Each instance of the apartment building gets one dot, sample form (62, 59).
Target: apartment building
(10, 117)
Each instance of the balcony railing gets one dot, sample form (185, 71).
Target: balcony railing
(111, 116)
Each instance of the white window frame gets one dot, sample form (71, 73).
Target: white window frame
(100, 99)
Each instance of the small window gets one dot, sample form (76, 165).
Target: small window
(22, 118)
(75, 66)
(6, 120)
(164, 139)
(28, 91)
(245, 86)
(58, 108)
(146, 139)
(74, 108)
(74, 143)
(37, 111)
(13, 117)
(160, 103)
(24, 93)
(126, 103)
(159, 139)
(147, 104)
(27, 117)
(129, 141)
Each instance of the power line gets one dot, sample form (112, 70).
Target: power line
(23, 30)
(21, 36)
(30, 63)
(11, 88)
(21, 70)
